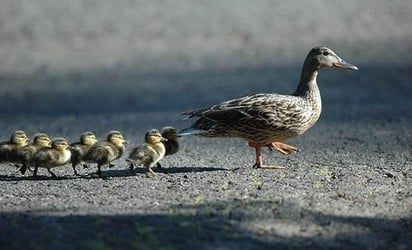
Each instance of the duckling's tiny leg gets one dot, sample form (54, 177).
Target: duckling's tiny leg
(52, 174)
(74, 169)
(259, 159)
(150, 172)
(131, 167)
(283, 148)
(35, 171)
(23, 169)
(99, 171)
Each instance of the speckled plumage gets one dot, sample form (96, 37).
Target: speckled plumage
(104, 152)
(150, 153)
(58, 155)
(26, 153)
(264, 119)
(79, 149)
(8, 149)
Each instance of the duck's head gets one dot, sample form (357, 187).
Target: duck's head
(169, 132)
(116, 138)
(60, 144)
(42, 139)
(153, 136)
(323, 57)
(88, 138)
(19, 137)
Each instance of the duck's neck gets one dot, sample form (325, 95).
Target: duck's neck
(307, 84)
(309, 90)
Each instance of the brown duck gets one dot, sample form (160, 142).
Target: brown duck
(58, 155)
(26, 153)
(104, 152)
(265, 120)
(79, 149)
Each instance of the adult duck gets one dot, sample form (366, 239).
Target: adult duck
(265, 120)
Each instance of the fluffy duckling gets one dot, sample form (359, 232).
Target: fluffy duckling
(79, 149)
(58, 155)
(105, 152)
(8, 149)
(25, 154)
(150, 153)
(172, 143)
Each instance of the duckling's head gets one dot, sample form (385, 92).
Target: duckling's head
(88, 138)
(169, 132)
(60, 144)
(323, 57)
(19, 137)
(153, 136)
(116, 138)
(42, 139)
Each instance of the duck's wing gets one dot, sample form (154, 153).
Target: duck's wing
(259, 111)
(98, 153)
(142, 153)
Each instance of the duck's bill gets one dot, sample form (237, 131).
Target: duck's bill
(345, 65)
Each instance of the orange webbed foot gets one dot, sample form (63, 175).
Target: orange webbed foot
(282, 148)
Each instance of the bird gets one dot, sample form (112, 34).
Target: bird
(104, 152)
(149, 153)
(25, 154)
(267, 119)
(8, 149)
(87, 140)
(172, 143)
(58, 155)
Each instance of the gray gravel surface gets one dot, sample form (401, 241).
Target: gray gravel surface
(72, 66)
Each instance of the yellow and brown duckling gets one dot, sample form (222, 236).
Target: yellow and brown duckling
(26, 153)
(104, 152)
(8, 149)
(150, 153)
(265, 120)
(58, 155)
(79, 149)
(172, 142)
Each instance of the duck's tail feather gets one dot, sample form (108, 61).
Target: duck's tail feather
(190, 131)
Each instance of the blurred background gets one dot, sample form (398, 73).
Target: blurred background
(79, 64)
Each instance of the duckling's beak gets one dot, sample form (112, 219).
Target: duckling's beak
(345, 65)
(125, 142)
(163, 139)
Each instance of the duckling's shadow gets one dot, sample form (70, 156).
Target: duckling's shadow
(110, 173)
(35, 178)
(179, 170)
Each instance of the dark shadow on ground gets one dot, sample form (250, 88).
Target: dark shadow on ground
(234, 224)
(115, 173)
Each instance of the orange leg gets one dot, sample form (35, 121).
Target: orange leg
(282, 148)
(259, 160)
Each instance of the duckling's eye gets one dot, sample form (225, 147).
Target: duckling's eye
(325, 53)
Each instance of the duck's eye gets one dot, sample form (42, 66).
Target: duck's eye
(325, 53)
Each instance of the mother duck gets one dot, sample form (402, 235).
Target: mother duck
(265, 120)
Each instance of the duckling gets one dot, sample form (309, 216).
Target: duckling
(8, 149)
(87, 140)
(150, 153)
(172, 143)
(25, 154)
(265, 120)
(105, 152)
(58, 155)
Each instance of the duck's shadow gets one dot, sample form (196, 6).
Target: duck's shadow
(162, 170)
(113, 173)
